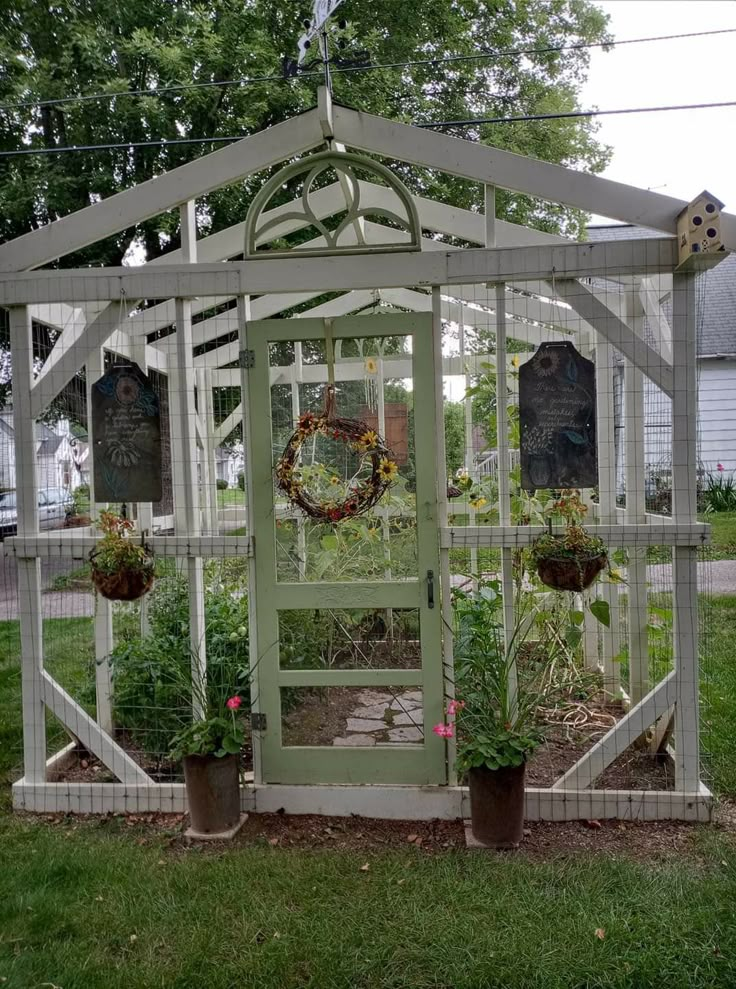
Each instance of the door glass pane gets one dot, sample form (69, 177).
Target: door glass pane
(352, 717)
(374, 386)
(349, 639)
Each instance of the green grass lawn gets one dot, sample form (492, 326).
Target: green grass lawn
(723, 535)
(98, 904)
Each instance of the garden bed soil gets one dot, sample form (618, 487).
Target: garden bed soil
(543, 841)
(80, 766)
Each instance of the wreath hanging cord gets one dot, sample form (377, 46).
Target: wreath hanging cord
(363, 493)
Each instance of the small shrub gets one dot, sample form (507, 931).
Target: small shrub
(241, 480)
(222, 484)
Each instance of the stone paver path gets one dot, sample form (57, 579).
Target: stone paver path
(384, 717)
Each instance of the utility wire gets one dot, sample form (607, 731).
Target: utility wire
(572, 114)
(444, 60)
(439, 123)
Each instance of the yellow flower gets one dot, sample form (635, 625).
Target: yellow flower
(515, 360)
(387, 469)
(478, 502)
(369, 439)
(371, 365)
(334, 479)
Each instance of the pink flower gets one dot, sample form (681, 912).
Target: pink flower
(454, 706)
(720, 467)
(234, 703)
(444, 731)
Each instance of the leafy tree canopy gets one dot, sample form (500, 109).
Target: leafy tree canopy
(79, 47)
(50, 51)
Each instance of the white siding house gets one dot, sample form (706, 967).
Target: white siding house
(55, 453)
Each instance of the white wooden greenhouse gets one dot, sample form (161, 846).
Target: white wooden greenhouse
(357, 280)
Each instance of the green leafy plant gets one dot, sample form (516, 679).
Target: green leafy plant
(570, 561)
(220, 734)
(720, 492)
(117, 550)
(499, 690)
(152, 674)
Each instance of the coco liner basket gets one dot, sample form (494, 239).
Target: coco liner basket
(570, 573)
(123, 585)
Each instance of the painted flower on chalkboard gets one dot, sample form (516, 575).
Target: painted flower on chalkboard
(546, 365)
(123, 452)
(127, 390)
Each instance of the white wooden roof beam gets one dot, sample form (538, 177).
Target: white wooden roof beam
(518, 173)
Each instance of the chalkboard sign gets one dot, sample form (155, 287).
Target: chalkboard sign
(557, 418)
(126, 436)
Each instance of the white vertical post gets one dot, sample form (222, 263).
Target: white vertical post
(255, 700)
(469, 454)
(607, 514)
(636, 513)
(104, 639)
(684, 509)
(445, 582)
(184, 462)
(385, 528)
(504, 500)
(29, 570)
(301, 535)
(144, 508)
(489, 196)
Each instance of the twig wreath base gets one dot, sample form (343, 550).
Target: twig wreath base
(363, 440)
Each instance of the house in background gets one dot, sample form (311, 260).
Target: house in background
(716, 306)
(60, 456)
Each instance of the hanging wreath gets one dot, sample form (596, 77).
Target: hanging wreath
(363, 492)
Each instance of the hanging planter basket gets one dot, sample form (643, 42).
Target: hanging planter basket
(123, 585)
(570, 573)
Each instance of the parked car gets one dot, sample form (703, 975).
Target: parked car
(54, 506)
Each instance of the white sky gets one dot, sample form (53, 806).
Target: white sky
(678, 153)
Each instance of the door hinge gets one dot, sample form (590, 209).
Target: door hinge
(258, 721)
(247, 359)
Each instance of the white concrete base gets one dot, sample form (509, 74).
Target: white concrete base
(472, 842)
(193, 836)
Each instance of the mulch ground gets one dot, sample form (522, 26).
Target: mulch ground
(642, 841)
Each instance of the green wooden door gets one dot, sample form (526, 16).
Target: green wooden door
(348, 617)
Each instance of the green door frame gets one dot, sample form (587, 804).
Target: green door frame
(418, 764)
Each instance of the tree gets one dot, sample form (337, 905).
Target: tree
(49, 51)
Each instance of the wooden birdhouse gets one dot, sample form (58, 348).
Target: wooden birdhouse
(699, 233)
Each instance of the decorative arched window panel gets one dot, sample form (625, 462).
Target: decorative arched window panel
(331, 193)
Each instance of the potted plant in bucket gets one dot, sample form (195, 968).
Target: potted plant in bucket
(494, 717)
(210, 751)
(122, 569)
(573, 560)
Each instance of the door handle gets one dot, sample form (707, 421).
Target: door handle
(430, 588)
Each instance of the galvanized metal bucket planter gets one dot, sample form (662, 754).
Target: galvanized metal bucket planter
(497, 805)
(213, 792)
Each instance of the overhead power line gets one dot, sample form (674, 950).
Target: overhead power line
(418, 63)
(440, 123)
(523, 118)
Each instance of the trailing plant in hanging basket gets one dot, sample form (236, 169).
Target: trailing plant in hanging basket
(122, 569)
(573, 560)
(375, 474)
